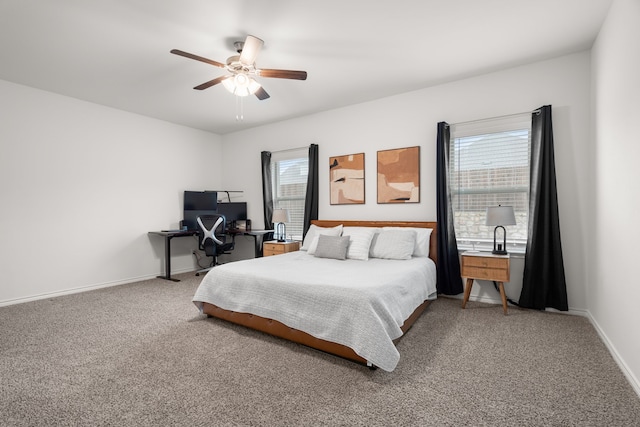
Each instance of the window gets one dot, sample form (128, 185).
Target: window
(489, 166)
(289, 172)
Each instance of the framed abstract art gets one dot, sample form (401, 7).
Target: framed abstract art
(399, 175)
(346, 179)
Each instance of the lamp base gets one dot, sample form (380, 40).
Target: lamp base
(499, 248)
(281, 232)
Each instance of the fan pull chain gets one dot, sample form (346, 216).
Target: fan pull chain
(239, 109)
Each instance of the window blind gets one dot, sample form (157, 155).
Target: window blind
(290, 171)
(489, 166)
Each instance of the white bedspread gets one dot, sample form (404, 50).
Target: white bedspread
(360, 304)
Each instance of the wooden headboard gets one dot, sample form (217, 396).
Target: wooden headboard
(433, 251)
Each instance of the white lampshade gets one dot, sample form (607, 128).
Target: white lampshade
(500, 215)
(241, 85)
(280, 215)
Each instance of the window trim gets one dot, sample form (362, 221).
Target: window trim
(277, 158)
(479, 128)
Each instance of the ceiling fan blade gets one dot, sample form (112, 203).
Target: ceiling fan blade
(211, 83)
(262, 94)
(252, 46)
(282, 74)
(197, 58)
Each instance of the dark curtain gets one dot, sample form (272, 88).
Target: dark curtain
(544, 283)
(311, 199)
(449, 279)
(267, 192)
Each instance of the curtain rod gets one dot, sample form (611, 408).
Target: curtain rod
(290, 149)
(537, 111)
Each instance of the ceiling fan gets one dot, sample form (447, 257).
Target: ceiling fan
(242, 69)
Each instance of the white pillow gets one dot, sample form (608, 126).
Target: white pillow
(359, 241)
(423, 235)
(314, 243)
(393, 244)
(314, 230)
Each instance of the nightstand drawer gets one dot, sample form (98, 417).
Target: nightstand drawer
(485, 267)
(497, 274)
(277, 248)
(485, 262)
(273, 248)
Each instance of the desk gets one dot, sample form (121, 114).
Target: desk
(168, 235)
(258, 236)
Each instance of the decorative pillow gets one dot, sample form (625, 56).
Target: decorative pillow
(393, 244)
(314, 243)
(314, 230)
(360, 241)
(334, 247)
(423, 235)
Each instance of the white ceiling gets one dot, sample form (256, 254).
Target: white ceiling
(116, 52)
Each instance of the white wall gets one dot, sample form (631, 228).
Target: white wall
(410, 119)
(80, 186)
(613, 294)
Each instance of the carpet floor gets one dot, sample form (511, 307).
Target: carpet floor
(141, 354)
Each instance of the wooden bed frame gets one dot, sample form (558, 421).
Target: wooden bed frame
(278, 329)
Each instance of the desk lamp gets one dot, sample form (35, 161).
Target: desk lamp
(280, 216)
(499, 216)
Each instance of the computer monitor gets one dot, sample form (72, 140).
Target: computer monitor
(233, 211)
(198, 203)
(200, 200)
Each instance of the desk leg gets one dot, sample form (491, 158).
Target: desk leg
(167, 260)
(467, 292)
(504, 297)
(258, 245)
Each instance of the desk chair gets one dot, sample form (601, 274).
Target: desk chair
(213, 238)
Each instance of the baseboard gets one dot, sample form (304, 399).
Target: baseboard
(635, 384)
(87, 288)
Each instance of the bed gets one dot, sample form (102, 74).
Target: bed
(356, 308)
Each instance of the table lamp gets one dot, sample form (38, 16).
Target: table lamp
(499, 216)
(279, 217)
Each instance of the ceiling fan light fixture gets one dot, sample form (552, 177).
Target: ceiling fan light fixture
(241, 80)
(241, 70)
(241, 85)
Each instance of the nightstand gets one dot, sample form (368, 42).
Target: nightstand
(485, 266)
(273, 247)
